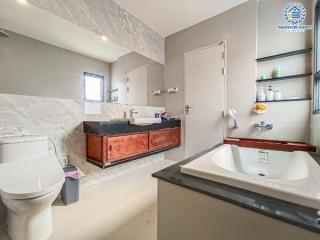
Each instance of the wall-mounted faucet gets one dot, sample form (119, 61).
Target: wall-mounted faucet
(263, 126)
(132, 112)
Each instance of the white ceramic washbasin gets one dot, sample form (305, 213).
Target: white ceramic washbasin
(144, 121)
(290, 176)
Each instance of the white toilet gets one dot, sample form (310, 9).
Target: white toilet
(30, 180)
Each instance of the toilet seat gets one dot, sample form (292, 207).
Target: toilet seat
(38, 177)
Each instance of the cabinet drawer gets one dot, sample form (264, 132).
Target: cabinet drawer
(162, 139)
(94, 147)
(123, 147)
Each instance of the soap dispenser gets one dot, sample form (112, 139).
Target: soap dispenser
(270, 94)
(277, 95)
(261, 95)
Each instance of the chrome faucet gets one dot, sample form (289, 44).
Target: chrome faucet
(132, 112)
(263, 126)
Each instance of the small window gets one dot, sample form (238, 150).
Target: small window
(93, 87)
(317, 61)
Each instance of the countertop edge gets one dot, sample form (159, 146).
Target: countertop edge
(113, 128)
(232, 194)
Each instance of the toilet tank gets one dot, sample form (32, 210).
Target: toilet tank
(23, 148)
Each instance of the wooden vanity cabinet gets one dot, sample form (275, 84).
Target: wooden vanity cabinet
(105, 150)
(94, 148)
(164, 138)
(123, 147)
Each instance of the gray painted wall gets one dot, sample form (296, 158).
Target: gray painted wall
(250, 30)
(134, 60)
(238, 27)
(31, 67)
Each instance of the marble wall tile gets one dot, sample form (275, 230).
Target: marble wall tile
(60, 119)
(105, 17)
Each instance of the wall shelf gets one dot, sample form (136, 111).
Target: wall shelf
(285, 78)
(286, 100)
(287, 54)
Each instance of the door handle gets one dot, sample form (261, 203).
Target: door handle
(187, 108)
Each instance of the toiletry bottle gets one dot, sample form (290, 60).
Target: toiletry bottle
(263, 77)
(261, 95)
(270, 94)
(277, 95)
(164, 116)
(277, 72)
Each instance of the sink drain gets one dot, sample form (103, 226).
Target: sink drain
(261, 175)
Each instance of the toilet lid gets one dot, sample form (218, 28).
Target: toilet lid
(30, 178)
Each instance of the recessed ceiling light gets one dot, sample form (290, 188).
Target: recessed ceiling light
(22, 1)
(104, 38)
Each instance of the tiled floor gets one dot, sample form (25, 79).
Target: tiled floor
(121, 208)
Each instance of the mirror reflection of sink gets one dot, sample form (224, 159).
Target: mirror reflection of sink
(144, 121)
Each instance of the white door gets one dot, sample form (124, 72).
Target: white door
(204, 98)
(137, 86)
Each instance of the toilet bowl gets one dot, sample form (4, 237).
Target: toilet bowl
(30, 180)
(30, 219)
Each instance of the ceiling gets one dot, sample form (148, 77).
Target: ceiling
(33, 22)
(170, 16)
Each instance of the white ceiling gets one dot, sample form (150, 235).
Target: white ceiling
(170, 16)
(35, 23)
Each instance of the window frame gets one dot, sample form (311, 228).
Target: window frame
(102, 84)
(316, 78)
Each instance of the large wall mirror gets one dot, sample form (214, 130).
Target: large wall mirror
(54, 58)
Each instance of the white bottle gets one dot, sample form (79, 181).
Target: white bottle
(261, 95)
(277, 95)
(270, 94)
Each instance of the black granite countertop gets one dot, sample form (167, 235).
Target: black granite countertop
(288, 212)
(110, 128)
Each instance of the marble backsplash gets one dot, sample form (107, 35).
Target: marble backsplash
(60, 119)
(105, 17)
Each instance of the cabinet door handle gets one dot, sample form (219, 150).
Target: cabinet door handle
(110, 148)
